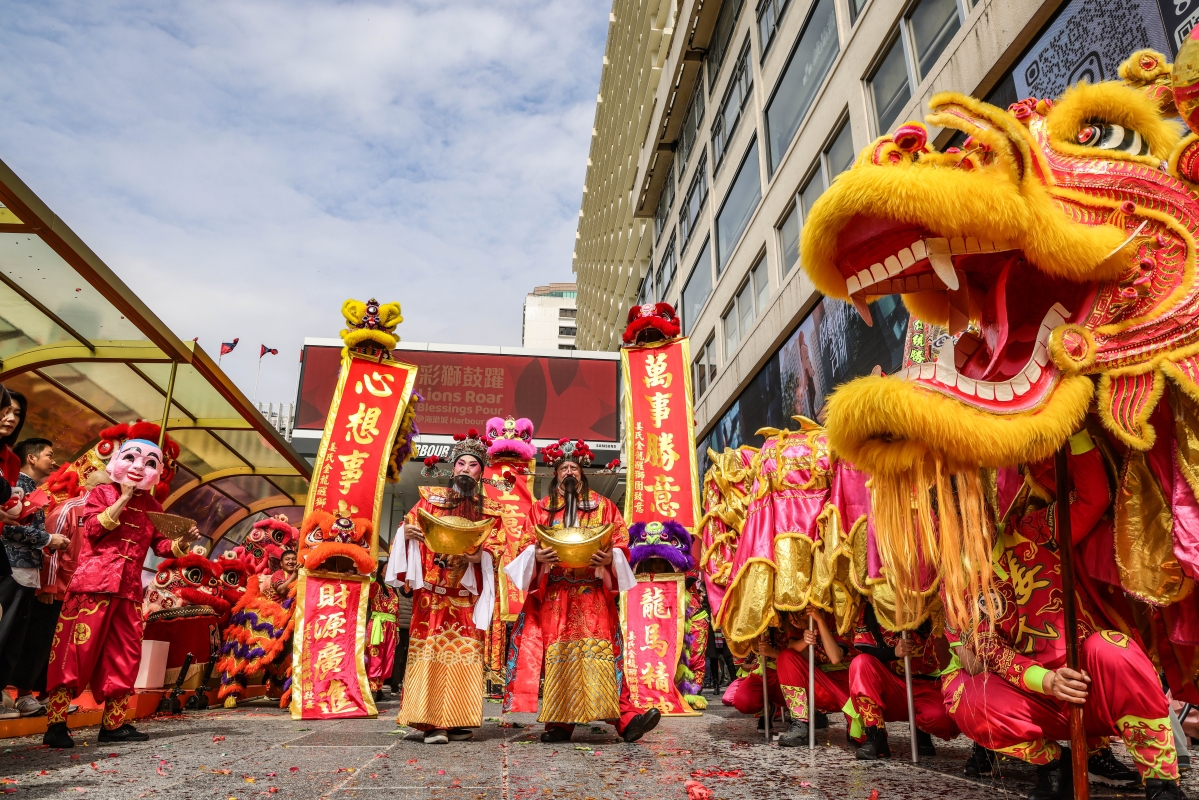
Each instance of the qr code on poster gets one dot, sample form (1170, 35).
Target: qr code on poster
(1087, 42)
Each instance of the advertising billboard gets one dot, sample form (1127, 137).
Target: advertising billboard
(562, 396)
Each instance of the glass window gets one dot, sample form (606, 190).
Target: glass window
(761, 281)
(840, 154)
(889, 86)
(739, 205)
(693, 203)
(770, 12)
(855, 8)
(806, 69)
(722, 38)
(566, 331)
(811, 191)
(931, 23)
(698, 287)
(724, 123)
(643, 290)
(567, 313)
(665, 274)
(703, 368)
(789, 237)
(731, 338)
(690, 131)
(665, 201)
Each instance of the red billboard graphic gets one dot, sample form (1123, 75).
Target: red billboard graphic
(573, 397)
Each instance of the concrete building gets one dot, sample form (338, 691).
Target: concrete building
(549, 317)
(697, 185)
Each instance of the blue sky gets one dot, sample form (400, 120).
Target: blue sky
(245, 167)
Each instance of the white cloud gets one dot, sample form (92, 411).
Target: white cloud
(245, 167)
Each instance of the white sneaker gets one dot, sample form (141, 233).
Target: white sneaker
(28, 706)
(436, 737)
(9, 713)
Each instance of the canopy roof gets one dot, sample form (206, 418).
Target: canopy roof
(87, 353)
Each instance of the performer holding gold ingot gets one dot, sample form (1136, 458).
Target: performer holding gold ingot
(451, 537)
(569, 623)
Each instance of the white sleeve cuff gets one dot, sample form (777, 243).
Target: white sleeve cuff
(522, 568)
(485, 605)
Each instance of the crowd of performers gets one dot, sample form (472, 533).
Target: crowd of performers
(1002, 683)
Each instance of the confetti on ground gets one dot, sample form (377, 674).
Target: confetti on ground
(218, 738)
(697, 791)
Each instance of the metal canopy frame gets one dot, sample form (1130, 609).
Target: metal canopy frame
(73, 334)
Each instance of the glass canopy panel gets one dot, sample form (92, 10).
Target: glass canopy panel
(31, 264)
(202, 453)
(251, 446)
(192, 391)
(57, 416)
(183, 476)
(208, 507)
(23, 327)
(100, 384)
(296, 487)
(246, 489)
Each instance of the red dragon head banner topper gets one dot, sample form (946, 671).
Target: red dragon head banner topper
(651, 322)
(510, 438)
(334, 541)
(1058, 244)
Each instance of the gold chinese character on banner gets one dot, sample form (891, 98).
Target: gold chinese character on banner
(351, 469)
(335, 700)
(654, 642)
(660, 450)
(329, 659)
(334, 626)
(664, 489)
(653, 604)
(363, 424)
(659, 407)
(333, 595)
(382, 390)
(655, 677)
(655, 371)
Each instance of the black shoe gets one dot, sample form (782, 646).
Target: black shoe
(924, 744)
(1103, 767)
(551, 735)
(1163, 790)
(642, 724)
(981, 762)
(125, 733)
(1055, 779)
(57, 736)
(796, 735)
(876, 745)
(821, 720)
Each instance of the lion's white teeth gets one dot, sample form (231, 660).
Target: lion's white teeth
(919, 249)
(864, 310)
(939, 258)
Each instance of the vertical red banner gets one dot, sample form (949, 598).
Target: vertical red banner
(329, 648)
(660, 434)
(351, 463)
(651, 621)
(515, 504)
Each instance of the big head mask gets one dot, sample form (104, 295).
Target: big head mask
(138, 463)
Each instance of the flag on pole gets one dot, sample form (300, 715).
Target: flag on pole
(227, 347)
(266, 350)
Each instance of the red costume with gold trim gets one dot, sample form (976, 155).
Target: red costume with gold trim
(569, 628)
(443, 681)
(98, 638)
(381, 634)
(1006, 708)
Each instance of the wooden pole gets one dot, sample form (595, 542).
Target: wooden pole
(907, 680)
(166, 409)
(1078, 735)
(811, 689)
(765, 689)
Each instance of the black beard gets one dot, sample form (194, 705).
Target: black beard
(464, 486)
(570, 485)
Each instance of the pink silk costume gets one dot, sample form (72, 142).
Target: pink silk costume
(98, 638)
(570, 627)
(381, 634)
(443, 682)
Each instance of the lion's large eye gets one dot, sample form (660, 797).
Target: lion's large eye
(1108, 136)
(194, 574)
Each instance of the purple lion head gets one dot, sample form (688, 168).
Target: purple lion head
(511, 438)
(668, 541)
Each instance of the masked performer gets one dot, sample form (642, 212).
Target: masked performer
(1013, 692)
(381, 646)
(452, 604)
(569, 627)
(98, 639)
(877, 685)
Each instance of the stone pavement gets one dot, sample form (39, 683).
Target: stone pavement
(257, 750)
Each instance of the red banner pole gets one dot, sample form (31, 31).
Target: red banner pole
(1065, 547)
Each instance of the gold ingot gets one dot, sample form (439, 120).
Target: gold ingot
(453, 536)
(575, 546)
